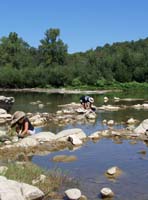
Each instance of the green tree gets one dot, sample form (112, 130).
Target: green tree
(52, 48)
(14, 51)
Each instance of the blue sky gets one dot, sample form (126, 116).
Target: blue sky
(83, 24)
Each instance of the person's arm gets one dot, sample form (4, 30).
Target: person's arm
(25, 131)
(17, 128)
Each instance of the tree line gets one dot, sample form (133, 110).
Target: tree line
(50, 64)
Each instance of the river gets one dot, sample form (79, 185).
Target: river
(94, 158)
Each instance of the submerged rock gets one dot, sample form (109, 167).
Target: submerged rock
(64, 158)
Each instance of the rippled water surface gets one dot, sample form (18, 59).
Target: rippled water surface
(94, 158)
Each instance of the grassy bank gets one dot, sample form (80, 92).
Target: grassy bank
(20, 168)
(112, 85)
(50, 182)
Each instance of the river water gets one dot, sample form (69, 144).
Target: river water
(94, 158)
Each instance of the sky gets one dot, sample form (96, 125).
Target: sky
(83, 24)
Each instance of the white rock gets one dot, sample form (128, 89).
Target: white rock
(107, 192)
(7, 142)
(145, 105)
(109, 108)
(44, 136)
(6, 116)
(110, 122)
(27, 142)
(81, 110)
(112, 170)
(142, 128)
(137, 106)
(105, 133)
(145, 124)
(106, 98)
(115, 133)
(41, 179)
(2, 132)
(95, 135)
(63, 135)
(74, 140)
(15, 139)
(116, 99)
(41, 105)
(59, 112)
(73, 194)
(104, 121)
(31, 192)
(3, 111)
(131, 121)
(34, 118)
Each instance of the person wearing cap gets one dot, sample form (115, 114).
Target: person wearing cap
(22, 124)
(86, 102)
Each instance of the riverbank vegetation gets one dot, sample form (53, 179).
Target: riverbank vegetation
(50, 182)
(120, 65)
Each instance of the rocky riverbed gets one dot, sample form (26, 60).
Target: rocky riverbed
(13, 148)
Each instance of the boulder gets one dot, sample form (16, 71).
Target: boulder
(10, 189)
(74, 140)
(142, 128)
(64, 135)
(27, 142)
(44, 136)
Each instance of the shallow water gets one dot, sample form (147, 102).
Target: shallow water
(93, 159)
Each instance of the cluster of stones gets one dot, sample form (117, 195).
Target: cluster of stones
(62, 117)
(6, 102)
(69, 113)
(74, 113)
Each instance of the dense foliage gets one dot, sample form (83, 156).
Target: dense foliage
(50, 65)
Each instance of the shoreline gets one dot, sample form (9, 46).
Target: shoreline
(59, 91)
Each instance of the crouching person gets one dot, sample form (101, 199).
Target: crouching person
(87, 102)
(22, 124)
